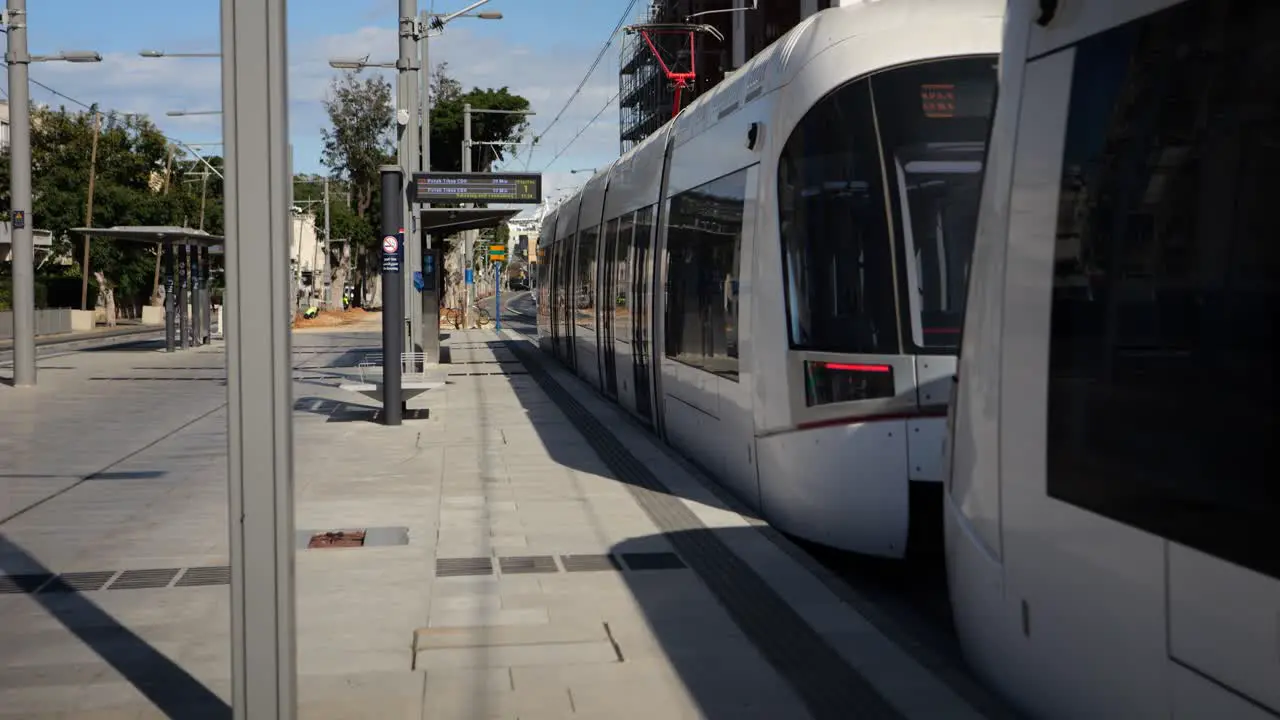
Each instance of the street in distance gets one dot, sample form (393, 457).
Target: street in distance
(477, 187)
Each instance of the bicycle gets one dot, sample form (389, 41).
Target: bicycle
(453, 316)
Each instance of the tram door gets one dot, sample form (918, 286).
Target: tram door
(554, 296)
(570, 303)
(607, 308)
(640, 318)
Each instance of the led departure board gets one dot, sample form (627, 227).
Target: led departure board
(433, 187)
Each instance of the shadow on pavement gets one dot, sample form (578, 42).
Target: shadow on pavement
(173, 690)
(742, 651)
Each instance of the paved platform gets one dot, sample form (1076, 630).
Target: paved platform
(530, 553)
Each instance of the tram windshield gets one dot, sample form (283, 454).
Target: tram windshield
(878, 220)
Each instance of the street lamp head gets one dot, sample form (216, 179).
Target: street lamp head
(80, 56)
(152, 53)
(349, 63)
(489, 15)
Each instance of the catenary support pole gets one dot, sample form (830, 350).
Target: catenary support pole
(255, 104)
(497, 295)
(407, 65)
(393, 238)
(170, 251)
(431, 294)
(469, 236)
(24, 251)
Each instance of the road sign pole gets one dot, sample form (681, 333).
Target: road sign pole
(392, 292)
(497, 295)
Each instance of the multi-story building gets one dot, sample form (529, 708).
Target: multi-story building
(646, 97)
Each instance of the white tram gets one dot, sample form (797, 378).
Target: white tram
(1113, 502)
(774, 280)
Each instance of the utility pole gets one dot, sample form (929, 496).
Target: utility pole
(24, 252)
(88, 211)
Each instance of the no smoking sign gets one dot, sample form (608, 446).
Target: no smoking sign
(390, 244)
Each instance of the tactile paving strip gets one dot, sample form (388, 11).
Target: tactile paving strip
(828, 686)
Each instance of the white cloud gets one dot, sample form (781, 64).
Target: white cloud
(544, 75)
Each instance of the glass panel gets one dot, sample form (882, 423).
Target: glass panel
(1162, 393)
(584, 289)
(704, 242)
(837, 266)
(934, 119)
(622, 279)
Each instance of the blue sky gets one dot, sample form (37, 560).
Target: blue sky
(540, 49)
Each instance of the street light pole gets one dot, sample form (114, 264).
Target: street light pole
(410, 136)
(17, 57)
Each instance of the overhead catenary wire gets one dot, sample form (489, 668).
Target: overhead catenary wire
(578, 90)
(588, 124)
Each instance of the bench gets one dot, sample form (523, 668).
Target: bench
(413, 382)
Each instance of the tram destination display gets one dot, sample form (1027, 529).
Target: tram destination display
(443, 187)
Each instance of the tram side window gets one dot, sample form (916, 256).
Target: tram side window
(704, 244)
(583, 292)
(1162, 392)
(837, 258)
(622, 279)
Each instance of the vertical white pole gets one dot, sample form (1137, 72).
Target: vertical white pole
(258, 192)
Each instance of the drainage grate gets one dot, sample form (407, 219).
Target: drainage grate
(824, 681)
(653, 561)
(527, 564)
(205, 576)
(163, 379)
(458, 567)
(374, 415)
(589, 563)
(471, 374)
(19, 584)
(337, 539)
(78, 582)
(144, 579)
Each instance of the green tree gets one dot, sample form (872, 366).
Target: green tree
(132, 162)
(360, 139)
(447, 103)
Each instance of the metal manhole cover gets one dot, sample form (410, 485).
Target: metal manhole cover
(653, 561)
(205, 576)
(527, 564)
(144, 579)
(337, 539)
(589, 563)
(78, 582)
(458, 567)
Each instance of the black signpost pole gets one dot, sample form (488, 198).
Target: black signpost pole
(392, 293)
